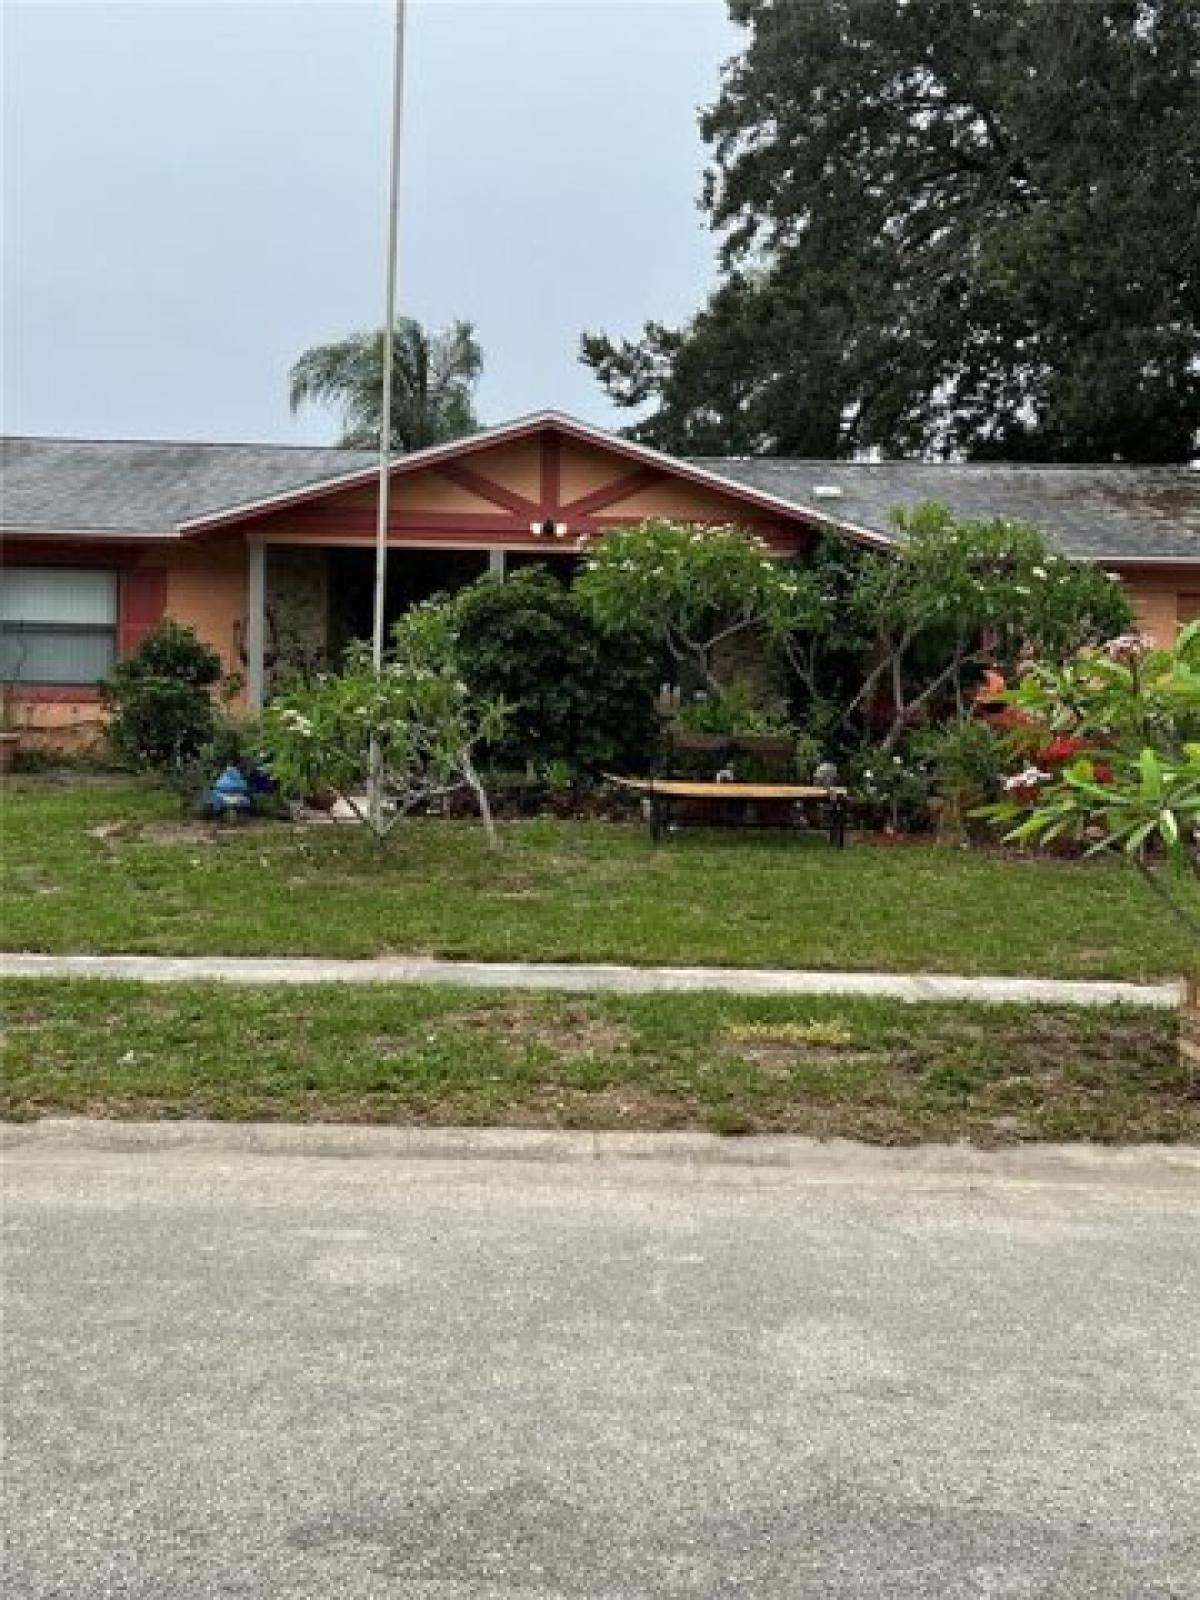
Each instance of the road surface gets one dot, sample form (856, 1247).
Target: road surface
(309, 1364)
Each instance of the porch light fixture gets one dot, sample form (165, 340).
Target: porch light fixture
(549, 529)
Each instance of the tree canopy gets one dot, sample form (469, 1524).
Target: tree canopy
(433, 377)
(949, 226)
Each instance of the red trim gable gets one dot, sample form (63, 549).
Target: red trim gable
(551, 428)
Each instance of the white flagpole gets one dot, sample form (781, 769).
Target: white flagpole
(375, 796)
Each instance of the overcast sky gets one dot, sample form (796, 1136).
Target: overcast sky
(194, 193)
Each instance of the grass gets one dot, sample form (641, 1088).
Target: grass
(106, 867)
(873, 1070)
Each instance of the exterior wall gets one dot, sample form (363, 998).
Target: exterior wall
(206, 590)
(204, 587)
(71, 717)
(1163, 599)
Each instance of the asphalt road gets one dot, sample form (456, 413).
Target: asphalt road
(285, 1368)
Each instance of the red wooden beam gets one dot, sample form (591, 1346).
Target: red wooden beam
(551, 475)
(487, 488)
(608, 493)
(330, 520)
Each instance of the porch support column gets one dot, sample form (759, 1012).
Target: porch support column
(496, 564)
(256, 613)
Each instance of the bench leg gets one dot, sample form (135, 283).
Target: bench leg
(837, 822)
(658, 817)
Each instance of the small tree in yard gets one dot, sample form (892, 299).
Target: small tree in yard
(957, 597)
(426, 720)
(161, 698)
(691, 588)
(1112, 749)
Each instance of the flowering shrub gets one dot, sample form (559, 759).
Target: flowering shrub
(690, 588)
(891, 788)
(1118, 769)
(417, 711)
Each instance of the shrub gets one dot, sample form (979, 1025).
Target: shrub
(735, 710)
(417, 712)
(891, 788)
(968, 762)
(1116, 741)
(161, 698)
(576, 695)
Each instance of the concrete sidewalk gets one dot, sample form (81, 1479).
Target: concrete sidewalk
(590, 978)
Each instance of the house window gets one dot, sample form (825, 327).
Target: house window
(57, 624)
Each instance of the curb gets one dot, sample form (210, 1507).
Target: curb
(833, 1160)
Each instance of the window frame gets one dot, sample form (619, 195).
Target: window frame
(52, 687)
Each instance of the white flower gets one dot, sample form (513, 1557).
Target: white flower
(1128, 647)
(1031, 778)
(1040, 572)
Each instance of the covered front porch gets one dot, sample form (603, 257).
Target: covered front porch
(528, 493)
(314, 601)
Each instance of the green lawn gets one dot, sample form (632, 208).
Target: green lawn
(110, 867)
(865, 1069)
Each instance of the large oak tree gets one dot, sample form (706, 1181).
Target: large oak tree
(949, 226)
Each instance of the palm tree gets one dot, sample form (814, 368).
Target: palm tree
(433, 375)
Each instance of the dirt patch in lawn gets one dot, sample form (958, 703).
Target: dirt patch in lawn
(570, 1031)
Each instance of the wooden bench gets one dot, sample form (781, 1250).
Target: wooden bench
(732, 804)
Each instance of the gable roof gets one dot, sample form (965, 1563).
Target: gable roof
(150, 488)
(537, 423)
(1100, 513)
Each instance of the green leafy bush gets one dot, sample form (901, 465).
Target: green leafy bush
(892, 788)
(576, 696)
(968, 763)
(161, 698)
(736, 709)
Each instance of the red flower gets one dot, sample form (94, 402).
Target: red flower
(1063, 749)
(1104, 774)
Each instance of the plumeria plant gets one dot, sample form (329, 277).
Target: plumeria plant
(962, 596)
(426, 720)
(1111, 744)
(691, 588)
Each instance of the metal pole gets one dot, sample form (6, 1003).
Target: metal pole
(375, 787)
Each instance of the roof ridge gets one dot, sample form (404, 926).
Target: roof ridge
(190, 444)
(838, 464)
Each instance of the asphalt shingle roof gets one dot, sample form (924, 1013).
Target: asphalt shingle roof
(1097, 512)
(147, 487)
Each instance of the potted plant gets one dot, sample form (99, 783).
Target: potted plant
(1112, 760)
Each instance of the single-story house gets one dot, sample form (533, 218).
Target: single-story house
(267, 548)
